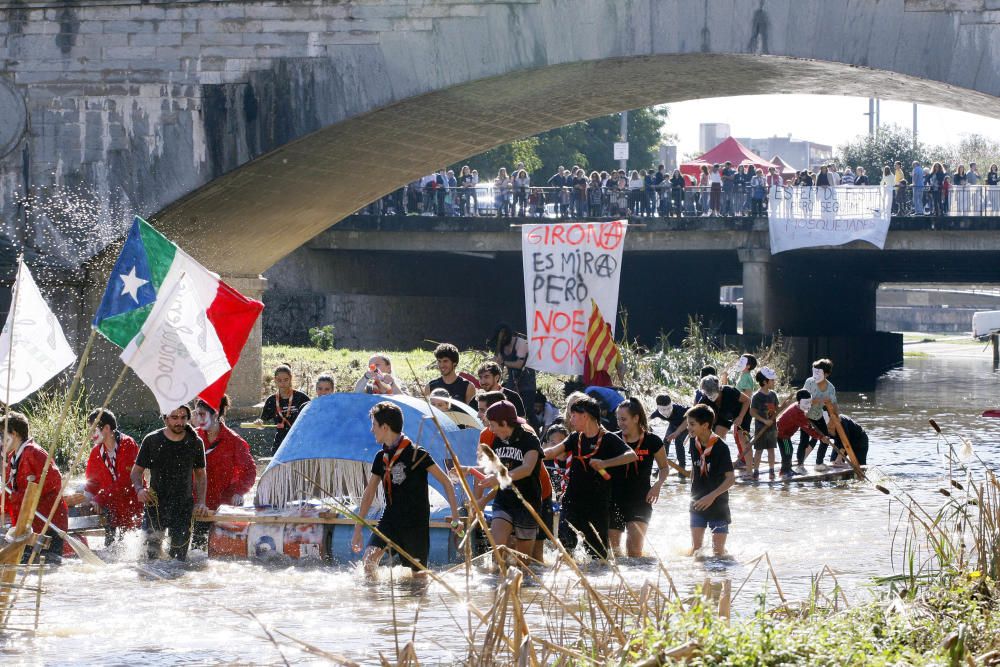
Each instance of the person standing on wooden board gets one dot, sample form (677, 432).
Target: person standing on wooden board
(25, 460)
(824, 395)
(791, 420)
(174, 455)
(229, 467)
(109, 486)
(282, 407)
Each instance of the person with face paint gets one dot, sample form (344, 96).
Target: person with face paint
(25, 461)
(282, 408)
(673, 414)
(791, 420)
(108, 485)
(175, 458)
(824, 394)
(229, 466)
(729, 405)
(746, 367)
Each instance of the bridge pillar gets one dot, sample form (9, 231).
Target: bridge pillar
(245, 383)
(759, 291)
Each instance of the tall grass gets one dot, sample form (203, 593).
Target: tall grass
(43, 411)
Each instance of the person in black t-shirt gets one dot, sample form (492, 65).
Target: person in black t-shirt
(591, 449)
(282, 407)
(173, 455)
(673, 414)
(457, 387)
(520, 452)
(729, 405)
(711, 478)
(489, 374)
(401, 469)
(856, 435)
(632, 495)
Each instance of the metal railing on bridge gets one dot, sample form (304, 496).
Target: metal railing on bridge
(659, 201)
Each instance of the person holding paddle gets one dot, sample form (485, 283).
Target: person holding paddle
(791, 420)
(764, 410)
(25, 461)
(632, 495)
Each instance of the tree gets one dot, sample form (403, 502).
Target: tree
(984, 151)
(890, 143)
(589, 144)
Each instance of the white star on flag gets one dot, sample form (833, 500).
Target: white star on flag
(131, 284)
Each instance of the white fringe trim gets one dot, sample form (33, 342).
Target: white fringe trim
(338, 478)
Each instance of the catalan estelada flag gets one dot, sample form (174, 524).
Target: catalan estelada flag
(602, 355)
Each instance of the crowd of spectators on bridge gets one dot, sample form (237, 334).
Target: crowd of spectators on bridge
(724, 190)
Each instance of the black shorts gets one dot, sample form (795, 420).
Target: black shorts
(626, 511)
(409, 538)
(513, 511)
(548, 518)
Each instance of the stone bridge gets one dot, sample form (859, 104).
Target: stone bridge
(247, 128)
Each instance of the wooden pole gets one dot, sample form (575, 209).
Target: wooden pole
(995, 339)
(10, 366)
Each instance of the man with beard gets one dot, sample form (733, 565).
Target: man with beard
(173, 455)
(489, 380)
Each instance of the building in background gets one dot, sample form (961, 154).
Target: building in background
(711, 135)
(799, 153)
(668, 156)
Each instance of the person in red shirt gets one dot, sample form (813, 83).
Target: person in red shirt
(108, 486)
(24, 461)
(229, 465)
(790, 421)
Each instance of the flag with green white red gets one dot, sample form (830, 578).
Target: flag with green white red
(174, 318)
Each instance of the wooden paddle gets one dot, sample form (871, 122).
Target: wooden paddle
(81, 549)
(255, 425)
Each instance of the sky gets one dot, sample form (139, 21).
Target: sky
(824, 119)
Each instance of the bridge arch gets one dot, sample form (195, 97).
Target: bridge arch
(249, 127)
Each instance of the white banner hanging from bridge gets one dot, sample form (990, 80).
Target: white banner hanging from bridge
(565, 266)
(806, 217)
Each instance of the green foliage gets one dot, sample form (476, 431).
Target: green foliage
(977, 148)
(43, 411)
(589, 144)
(889, 144)
(322, 337)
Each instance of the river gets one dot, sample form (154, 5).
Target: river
(111, 616)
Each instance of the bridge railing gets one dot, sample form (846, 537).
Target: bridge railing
(658, 201)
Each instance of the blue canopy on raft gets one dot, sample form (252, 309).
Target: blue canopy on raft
(335, 430)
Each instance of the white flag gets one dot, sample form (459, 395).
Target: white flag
(39, 350)
(177, 352)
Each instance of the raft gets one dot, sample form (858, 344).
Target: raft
(811, 474)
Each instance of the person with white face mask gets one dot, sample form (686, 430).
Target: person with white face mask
(230, 468)
(673, 414)
(730, 406)
(108, 486)
(790, 421)
(823, 394)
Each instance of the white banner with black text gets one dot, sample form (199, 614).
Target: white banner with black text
(565, 266)
(806, 217)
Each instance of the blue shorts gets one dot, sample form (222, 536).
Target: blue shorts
(715, 525)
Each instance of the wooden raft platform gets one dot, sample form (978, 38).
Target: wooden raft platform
(811, 474)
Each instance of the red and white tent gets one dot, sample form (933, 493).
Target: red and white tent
(786, 170)
(729, 150)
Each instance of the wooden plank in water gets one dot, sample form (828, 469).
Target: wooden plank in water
(825, 474)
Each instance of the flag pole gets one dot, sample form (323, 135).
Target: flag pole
(10, 365)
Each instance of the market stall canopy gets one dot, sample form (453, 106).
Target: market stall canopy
(786, 170)
(330, 448)
(729, 150)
